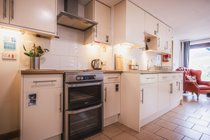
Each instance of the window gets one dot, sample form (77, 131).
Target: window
(200, 59)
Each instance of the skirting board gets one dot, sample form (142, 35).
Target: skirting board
(111, 120)
(10, 135)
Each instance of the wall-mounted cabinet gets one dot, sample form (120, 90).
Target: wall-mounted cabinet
(101, 13)
(151, 24)
(165, 36)
(37, 16)
(128, 24)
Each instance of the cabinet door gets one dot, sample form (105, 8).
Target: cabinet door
(176, 94)
(163, 35)
(111, 99)
(151, 24)
(103, 17)
(134, 24)
(149, 96)
(164, 95)
(4, 11)
(37, 14)
(42, 115)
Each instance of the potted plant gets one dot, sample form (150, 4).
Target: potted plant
(35, 53)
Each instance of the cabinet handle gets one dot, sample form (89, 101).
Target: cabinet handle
(142, 96)
(96, 33)
(179, 86)
(45, 81)
(150, 78)
(12, 9)
(158, 28)
(171, 88)
(107, 38)
(4, 8)
(112, 77)
(105, 94)
(60, 102)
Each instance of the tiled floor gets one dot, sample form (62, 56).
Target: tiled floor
(190, 121)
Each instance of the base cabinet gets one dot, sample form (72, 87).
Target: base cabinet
(148, 97)
(111, 98)
(145, 97)
(41, 107)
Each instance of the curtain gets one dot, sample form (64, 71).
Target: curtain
(186, 53)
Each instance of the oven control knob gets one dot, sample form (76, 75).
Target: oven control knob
(81, 78)
(78, 78)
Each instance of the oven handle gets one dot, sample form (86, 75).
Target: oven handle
(84, 110)
(84, 84)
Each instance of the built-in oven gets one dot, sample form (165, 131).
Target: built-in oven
(83, 104)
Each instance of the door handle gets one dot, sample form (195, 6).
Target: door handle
(12, 9)
(142, 96)
(45, 81)
(4, 8)
(105, 90)
(171, 88)
(84, 110)
(61, 102)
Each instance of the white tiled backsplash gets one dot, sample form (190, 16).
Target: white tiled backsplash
(68, 52)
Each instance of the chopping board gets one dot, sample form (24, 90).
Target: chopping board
(118, 62)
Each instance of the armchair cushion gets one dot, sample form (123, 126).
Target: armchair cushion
(204, 87)
(191, 78)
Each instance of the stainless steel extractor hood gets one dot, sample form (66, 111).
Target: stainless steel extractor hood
(69, 17)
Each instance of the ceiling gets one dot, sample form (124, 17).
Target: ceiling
(190, 19)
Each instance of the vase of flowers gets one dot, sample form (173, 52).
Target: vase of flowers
(35, 53)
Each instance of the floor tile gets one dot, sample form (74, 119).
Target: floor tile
(99, 136)
(187, 138)
(205, 137)
(202, 129)
(124, 136)
(151, 127)
(180, 122)
(188, 132)
(168, 134)
(166, 124)
(197, 121)
(126, 129)
(145, 135)
(111, 131)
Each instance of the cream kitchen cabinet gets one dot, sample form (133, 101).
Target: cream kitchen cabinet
(165, 36)
(151, 24)
(111, 96)
(128, 24)
(177, 87)
(145, 97)
(37, 16)
(148, 97)
(4, 11)
(101, 13)
(164, 90)
(41, 107)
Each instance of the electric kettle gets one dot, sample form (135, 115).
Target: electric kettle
(96, 64)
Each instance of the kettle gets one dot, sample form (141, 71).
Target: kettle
(96, 64)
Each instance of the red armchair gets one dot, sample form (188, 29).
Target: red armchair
(196, 86)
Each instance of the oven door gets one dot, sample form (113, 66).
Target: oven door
(82, 123)
(82, 95)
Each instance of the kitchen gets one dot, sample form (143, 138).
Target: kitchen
(123, 44)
